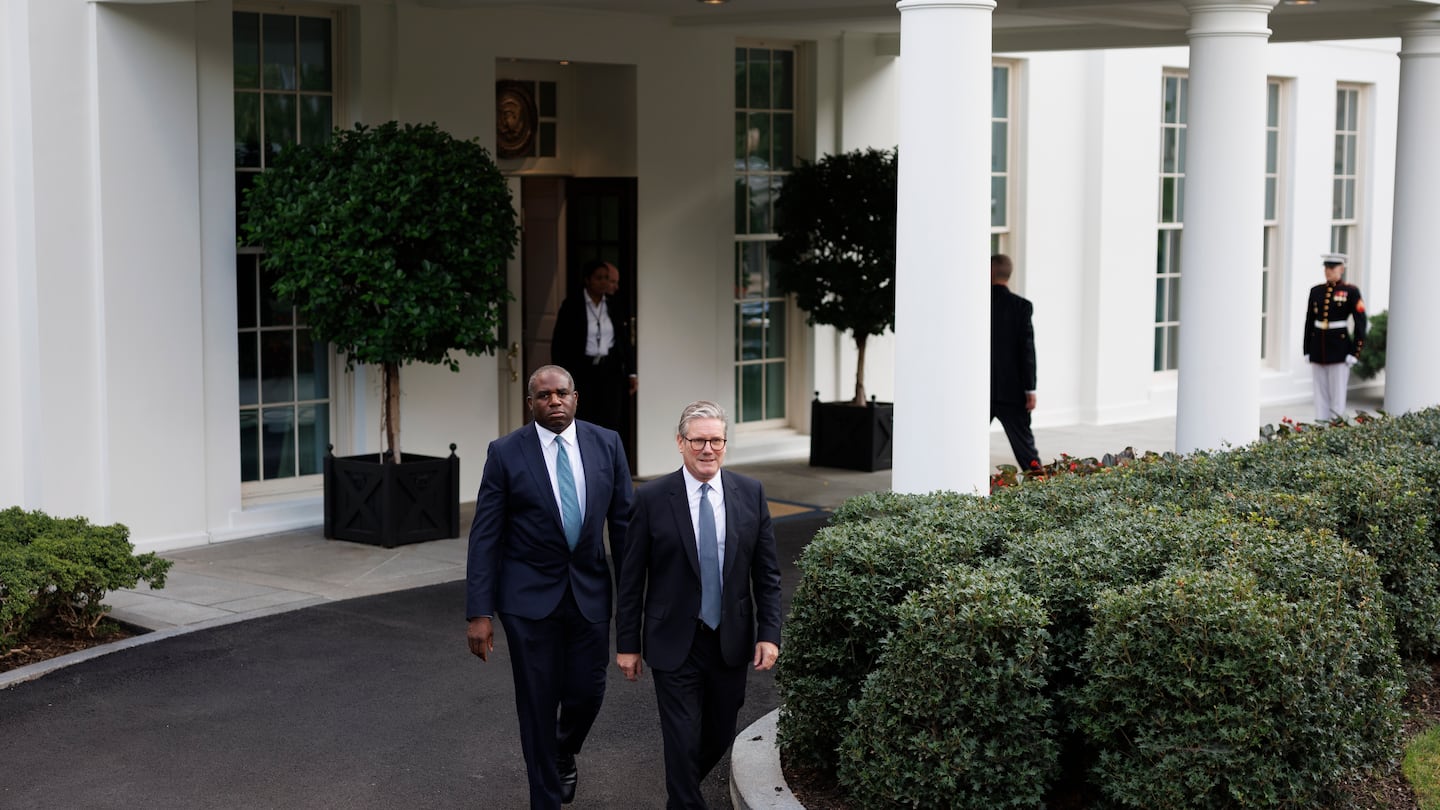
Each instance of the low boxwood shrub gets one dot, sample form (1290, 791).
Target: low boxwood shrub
(1224, 626)
(853, 575)
(1205, 689)
(955, 713)
(1380, 499)
(56, 571)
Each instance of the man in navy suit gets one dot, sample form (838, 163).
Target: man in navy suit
(1012, 362)
(700, 596)
(537, 561)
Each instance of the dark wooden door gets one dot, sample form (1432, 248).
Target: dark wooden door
(600, 224)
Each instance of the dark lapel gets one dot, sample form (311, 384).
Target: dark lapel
(535, 462)
(593, 459)
(680, 510)
(733, 504)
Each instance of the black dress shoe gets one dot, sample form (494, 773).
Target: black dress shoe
(569, 775)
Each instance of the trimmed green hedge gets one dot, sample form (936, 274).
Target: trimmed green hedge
(56, 571)
(984, 742)
(1221, 630)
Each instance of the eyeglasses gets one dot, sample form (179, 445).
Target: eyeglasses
(699, 444)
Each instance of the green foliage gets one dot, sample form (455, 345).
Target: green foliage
(1206, 689)
(855, 575)
(836, 219)
(1225, 628)
(1372, 355)
(56, 571)
(978, 737)
(392, 243)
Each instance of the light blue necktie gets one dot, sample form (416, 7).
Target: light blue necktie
(709, 562)
(569, 503)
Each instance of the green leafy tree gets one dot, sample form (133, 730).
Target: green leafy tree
(836, 220)
(1372, 357)
(392, 243)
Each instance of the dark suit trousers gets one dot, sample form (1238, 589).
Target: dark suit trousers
(559, 665)
(1016, 421)
(698, 704)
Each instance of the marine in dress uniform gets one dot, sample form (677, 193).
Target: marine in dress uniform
(1330, 343)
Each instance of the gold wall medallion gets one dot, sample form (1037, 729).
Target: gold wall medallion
(514, 119)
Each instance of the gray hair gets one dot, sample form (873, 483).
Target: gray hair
(530, 383)
(701, 409)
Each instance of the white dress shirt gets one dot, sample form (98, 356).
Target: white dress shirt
(550, 450)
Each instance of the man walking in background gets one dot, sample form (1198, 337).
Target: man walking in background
(1012, 362)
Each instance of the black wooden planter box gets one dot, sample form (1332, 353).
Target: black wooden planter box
(849, 437)
(387, 504)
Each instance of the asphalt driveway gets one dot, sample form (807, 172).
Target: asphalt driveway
(366, 703)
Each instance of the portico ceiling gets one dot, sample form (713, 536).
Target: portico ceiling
(1019, 25)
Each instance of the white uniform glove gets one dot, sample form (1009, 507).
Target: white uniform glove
(1351, 360)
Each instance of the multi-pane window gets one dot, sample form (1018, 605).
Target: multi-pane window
(764, 154)
(1173, 122)
(1344, 216)
(284, 94)
(1001, 127)
(1269, 272)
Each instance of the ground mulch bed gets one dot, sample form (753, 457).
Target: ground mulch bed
(817, 790)
(48, 642)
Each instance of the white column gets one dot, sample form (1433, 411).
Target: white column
(20, 413)
(1221, 252)
(942, 292)
(1410, 379)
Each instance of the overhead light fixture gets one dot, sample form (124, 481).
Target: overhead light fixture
(1301, 2)
(714, 2)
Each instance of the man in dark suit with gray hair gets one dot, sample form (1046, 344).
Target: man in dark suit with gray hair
(700, 596)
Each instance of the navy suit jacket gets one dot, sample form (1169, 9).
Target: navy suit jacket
(1012, 346)
(660, 577)
(519, 561)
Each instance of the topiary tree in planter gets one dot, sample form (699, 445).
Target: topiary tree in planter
(392, 243)
(836, 220)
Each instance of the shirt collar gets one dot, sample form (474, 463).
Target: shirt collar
(692, 483)
(547, 436)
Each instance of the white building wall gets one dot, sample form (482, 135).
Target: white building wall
(148, 269)
(117, 301)
(448, 73)
(1316, 70)
(1086, 211)
(59, 348)
(17, 261)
